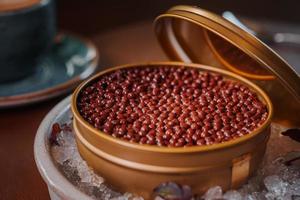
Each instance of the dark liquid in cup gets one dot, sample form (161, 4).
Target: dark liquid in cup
(10, 5)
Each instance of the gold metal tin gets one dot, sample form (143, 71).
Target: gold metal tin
(189, 33)
(140, 168)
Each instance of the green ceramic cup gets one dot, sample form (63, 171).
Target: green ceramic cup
(26, 33)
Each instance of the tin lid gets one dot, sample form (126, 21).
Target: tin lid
(191, 34)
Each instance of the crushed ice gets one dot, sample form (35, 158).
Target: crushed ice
(274, 181)
(66, 155)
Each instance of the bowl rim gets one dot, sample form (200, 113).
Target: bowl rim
(154, 148)
(55, 180)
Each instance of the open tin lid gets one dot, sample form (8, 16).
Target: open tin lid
(191, 34)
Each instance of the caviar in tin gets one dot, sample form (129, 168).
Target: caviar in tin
(171, 106)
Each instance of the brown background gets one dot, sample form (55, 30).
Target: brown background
(122, 32)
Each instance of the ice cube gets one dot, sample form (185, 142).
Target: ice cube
(213, 193)
(275, 186)
(59, 154)
(232, 195)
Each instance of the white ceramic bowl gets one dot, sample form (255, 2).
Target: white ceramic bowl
(58, 185)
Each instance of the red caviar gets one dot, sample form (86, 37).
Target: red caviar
(171, 106)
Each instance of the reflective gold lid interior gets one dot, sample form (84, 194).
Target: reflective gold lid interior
(191, 34)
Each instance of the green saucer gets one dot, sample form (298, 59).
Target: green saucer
(69, 61)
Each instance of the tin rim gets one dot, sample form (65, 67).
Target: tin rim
(153, 148)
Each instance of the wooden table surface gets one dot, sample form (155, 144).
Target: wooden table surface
(19, 176)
